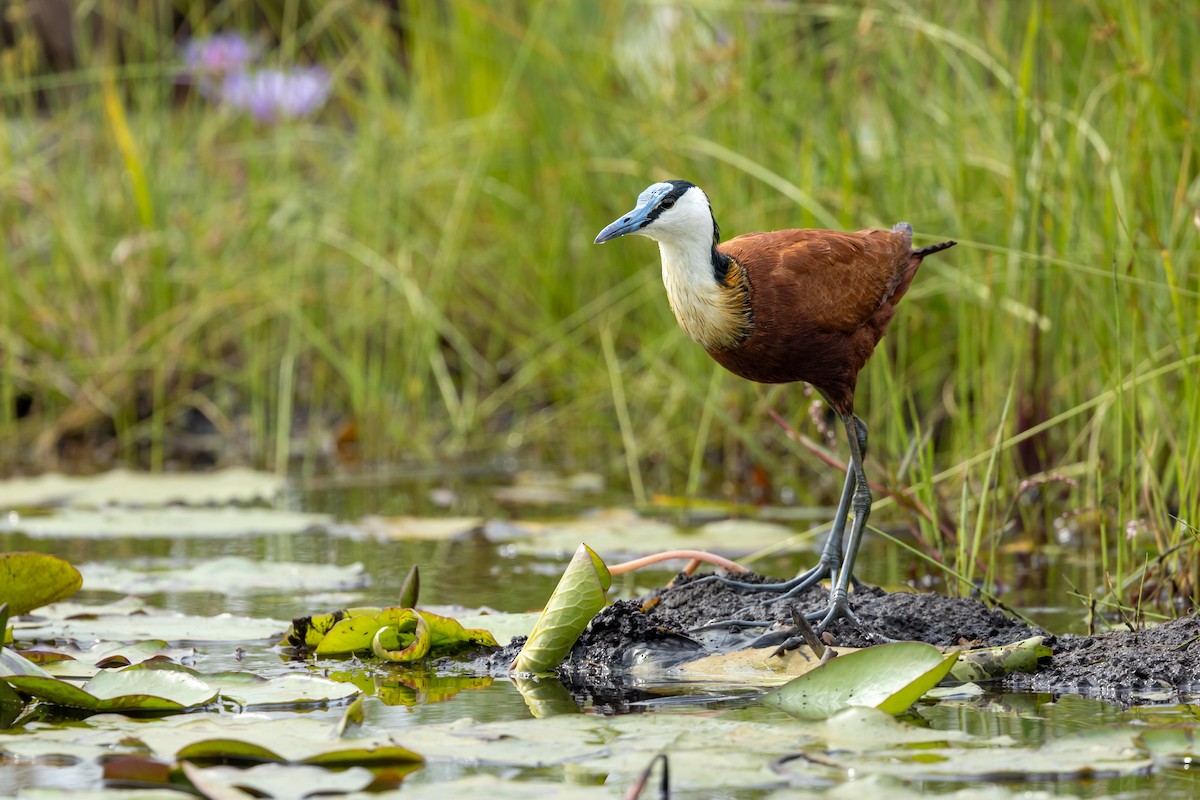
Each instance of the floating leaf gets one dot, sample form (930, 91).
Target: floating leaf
(989, 663)
(130, 689)
(281, 780)
(72, 661)
(422, 528)
(352, 717)
(1089, 755)
(626, 533)
(32, 580)
(211, 788)
(171, 522)
(579, 596)
(132, 621)
(890, 677)
(1174, 745)
(164, 686)
(229, 575)
(256, 738)
(120, 486)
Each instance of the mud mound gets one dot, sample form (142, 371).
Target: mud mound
(1121, 664)
(698, 615)
(932, 618)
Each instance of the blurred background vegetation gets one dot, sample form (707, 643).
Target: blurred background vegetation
(407, 275)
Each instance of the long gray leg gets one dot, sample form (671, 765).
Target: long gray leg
(839, 597)
(829, 565)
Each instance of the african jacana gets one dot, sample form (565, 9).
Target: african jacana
(792, 305)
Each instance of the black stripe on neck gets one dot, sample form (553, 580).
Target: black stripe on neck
(720, 264)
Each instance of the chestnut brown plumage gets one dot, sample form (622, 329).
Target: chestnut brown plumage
(784, 306)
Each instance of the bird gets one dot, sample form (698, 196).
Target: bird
(779, 307)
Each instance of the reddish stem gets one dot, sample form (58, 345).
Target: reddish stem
(696, 556)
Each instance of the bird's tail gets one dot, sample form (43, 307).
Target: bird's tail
(933, 248)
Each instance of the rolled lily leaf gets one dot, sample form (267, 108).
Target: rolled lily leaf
(407, 640)
(989, 663)
(32, 580)
(890, 677)
(579, 596)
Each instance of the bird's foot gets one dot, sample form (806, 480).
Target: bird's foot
(785, 589)
(839, 608)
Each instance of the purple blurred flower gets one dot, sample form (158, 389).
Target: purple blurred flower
(211, 59)
(274, 94)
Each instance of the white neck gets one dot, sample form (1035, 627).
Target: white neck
(708, 311)
(692, 289)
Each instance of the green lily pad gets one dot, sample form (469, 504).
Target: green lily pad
(122, 690)
(72, 661)
(32, 580)
(162, 687)
(579, 596)
(890, 677)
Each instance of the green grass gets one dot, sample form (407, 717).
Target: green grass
(419, 258)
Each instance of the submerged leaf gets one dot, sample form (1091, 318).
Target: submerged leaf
(890, 677)
(32, 580)
(579, 596)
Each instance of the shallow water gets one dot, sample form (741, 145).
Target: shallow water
(474, 572)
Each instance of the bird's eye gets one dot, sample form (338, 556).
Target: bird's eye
(667, 202)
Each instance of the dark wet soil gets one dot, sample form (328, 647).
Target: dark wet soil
(677, 624)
